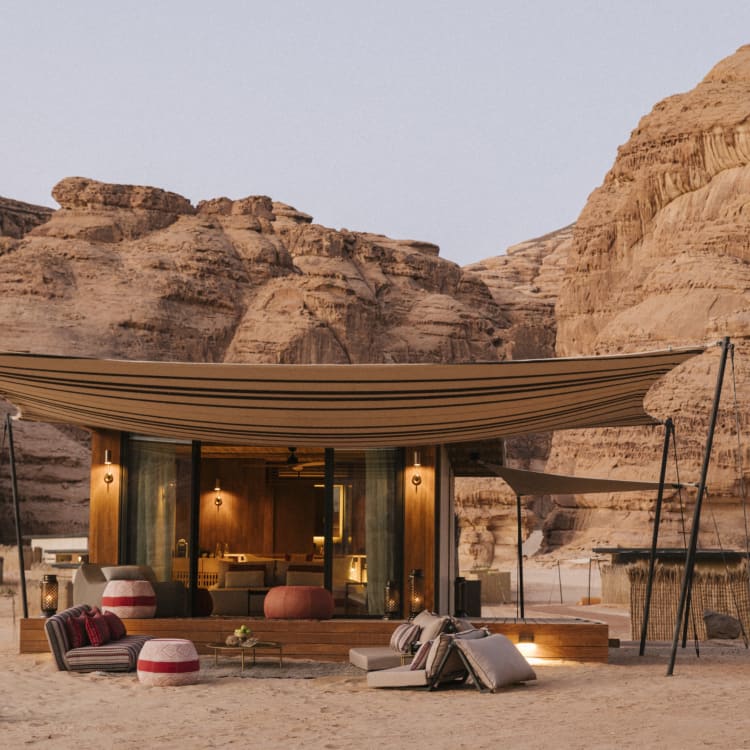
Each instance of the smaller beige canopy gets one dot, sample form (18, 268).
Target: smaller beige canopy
(538, 483)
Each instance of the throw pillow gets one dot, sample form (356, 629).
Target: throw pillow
(116, 626)
(97, 629)
(420, 658)
(403, 636)
(75, 626)
(496, 661)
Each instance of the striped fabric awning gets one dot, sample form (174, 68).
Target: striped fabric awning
(336, 406)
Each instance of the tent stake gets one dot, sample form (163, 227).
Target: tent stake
(17, 514)
(669, 428)
(687, 578)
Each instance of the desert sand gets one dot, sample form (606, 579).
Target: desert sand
(629, 702)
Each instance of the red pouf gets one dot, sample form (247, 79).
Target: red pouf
(298, 603)
(168, 661)
(129, 599)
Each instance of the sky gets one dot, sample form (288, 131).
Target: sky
(474, 125)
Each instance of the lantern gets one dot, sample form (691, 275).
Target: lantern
(391, 602)
(49, 595)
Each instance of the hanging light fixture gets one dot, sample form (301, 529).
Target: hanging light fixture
(217, 489)
(49, 595)
(109, 477)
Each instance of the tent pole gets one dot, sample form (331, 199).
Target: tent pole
(669, 427)
(17, 515)
(520, 555)
(687, 578)
(329, 473)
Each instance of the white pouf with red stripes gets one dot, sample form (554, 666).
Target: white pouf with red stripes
(129, 599)
(168, 661)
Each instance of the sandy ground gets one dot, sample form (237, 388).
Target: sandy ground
(627, 703)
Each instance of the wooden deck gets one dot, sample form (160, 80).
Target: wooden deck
(572, 639)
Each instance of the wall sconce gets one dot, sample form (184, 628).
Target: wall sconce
(391, 601)
(416, 477)
(217, 489)
(49, 595)
(416, 593)
(109, 477)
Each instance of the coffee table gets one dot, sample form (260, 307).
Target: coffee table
(250, 647)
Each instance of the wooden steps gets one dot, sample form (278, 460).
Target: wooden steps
(572, 639)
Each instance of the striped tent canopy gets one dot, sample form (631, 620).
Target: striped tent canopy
(337, 406)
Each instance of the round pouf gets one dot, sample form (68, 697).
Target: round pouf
(298, 603)
(129, 598)
(168, 661)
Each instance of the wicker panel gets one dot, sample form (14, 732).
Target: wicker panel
(724, 591)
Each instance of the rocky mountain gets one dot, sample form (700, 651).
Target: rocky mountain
(660, 257)
(137, 272)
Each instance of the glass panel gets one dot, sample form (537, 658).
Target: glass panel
(369, 550)
(158, 507)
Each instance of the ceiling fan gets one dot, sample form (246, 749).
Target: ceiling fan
(294, 464)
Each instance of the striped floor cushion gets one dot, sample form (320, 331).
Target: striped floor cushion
(115, 656)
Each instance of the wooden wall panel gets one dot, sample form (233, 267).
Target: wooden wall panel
(104, 506)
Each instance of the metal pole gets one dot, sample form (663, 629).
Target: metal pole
(17, 514)
(687, 578)
(520, 555)
(669, 427)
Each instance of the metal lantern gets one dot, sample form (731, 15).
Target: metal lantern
(49, 595)
(391, 602)
(416, 593)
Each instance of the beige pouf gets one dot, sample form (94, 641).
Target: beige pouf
(129, 598)
(168, 661)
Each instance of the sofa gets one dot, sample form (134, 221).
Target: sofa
(90, 580)
(241, 594)
(114, 655)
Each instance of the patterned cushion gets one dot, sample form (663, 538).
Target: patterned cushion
(116, 626)
(97, 629)
(420, 658)
(57, 634)
(75, 626)
(404, 635)
(116, 656)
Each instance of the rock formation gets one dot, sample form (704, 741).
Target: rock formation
(136, 272)
(660, 257)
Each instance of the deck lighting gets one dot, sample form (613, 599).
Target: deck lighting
(217, 489)
(416, 477)
(416, 593)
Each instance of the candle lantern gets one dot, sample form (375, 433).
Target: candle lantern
(391, 602)
(416, 593)
(49, 595)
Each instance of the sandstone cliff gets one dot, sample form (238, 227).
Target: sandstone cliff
(136, 272)
(660, 257)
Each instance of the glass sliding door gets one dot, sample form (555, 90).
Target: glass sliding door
(157, 506)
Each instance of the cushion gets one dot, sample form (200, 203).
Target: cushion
(371, 658)
(420, 658)
(75, 626)
(242, 579)
(97, 629)
(439, 648)
(496, 661)
(116, 626)
(397, 677)
(432, 625)
(304, 578)
(129, 573)
(404, 635)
